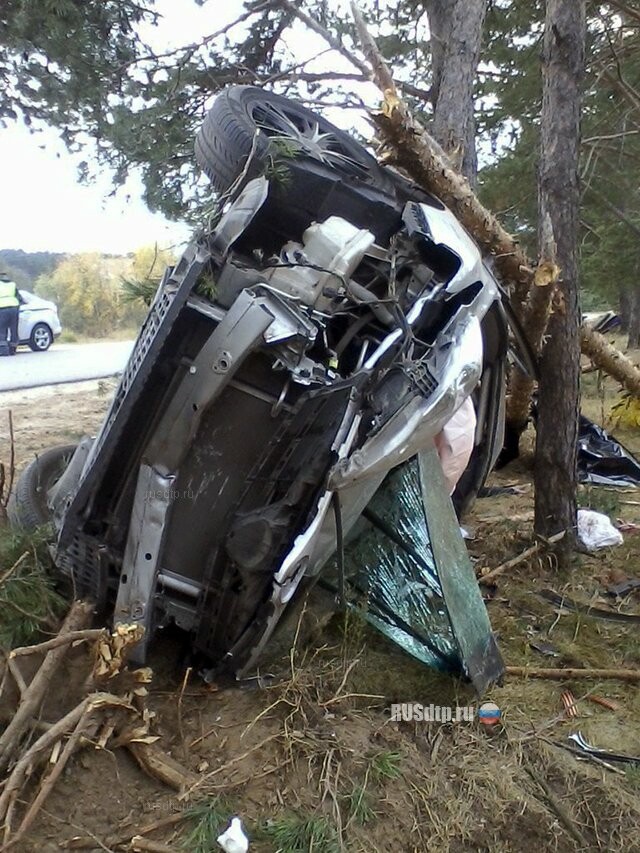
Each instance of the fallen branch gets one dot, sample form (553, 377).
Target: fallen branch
(140, 843)
(69, 638)
(35, 753)
(489, 575)
(557, 807)
(46, 787)
(536, 312)
(421, 157)
(610, 360)
(31, 700)
(630, 675)
(161, 766)
(81, 842)
(100, 718)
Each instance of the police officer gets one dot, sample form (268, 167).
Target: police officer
(9, 307)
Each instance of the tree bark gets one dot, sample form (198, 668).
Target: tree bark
(536, 318)
(559, 198)
(624, 309)
(456, 36)
(609, 359)
(633, 327)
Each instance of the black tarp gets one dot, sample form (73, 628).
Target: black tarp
(602, 460)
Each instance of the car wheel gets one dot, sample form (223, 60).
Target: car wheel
(314, 169)
(27, 508)
(247, 122)
(41, 337)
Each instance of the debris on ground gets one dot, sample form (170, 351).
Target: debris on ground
(233, 839)
(596, 531)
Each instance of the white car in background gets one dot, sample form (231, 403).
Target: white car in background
(38, 322)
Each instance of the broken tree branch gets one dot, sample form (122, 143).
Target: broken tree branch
(78, 616)
(146, 844)
(61, 640)
(422, 158)
(34, 754)
(630, 675)
(161, 766)
(80, 842)
(489, 576)
(536, 316)
(80, 729)
(563, 815)
(610, 360)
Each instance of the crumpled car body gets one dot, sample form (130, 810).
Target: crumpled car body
(274, 428)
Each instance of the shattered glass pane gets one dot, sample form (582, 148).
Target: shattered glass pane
(397, 584)
(409, 574)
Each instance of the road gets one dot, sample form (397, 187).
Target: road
(63, 363)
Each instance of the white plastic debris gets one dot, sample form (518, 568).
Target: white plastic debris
(233, 839)
(455, 443)
(596, 531)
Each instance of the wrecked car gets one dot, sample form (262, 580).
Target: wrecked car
(274, 427)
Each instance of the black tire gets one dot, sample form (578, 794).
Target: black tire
(340, 179)
(41, 337)
(228, 134)
(27, 508)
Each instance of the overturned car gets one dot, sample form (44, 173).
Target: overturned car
(275, 425)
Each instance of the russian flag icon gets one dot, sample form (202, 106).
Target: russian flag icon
(489, 714)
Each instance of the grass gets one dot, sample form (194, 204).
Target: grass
(126, 333)
(632, 772)
(300, 834)
(209, 819)
(385, 765)
(359, 803)
(600, 499)
(28, 599)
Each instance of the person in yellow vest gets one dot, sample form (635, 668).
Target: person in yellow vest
(9, 307)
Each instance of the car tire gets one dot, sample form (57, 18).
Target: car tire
(327, 173)
(27, 508)
(41, 337)
(243, 118)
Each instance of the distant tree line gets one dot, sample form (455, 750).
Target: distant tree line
(92, 291)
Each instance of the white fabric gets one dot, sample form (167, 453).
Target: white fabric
(596, 531)
(233, 839)
(454, 443)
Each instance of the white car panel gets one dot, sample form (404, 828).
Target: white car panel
(35, 310)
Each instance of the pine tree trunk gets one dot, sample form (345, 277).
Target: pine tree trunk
(624, 309)
(456, 36)
(440, 15)
(633, 327)
(559, 386)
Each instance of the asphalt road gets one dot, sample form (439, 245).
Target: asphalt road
(63, 363)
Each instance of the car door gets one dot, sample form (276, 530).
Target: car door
(25, 316)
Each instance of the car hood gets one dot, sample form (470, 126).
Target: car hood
(37, 302)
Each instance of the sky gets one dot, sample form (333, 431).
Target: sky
(46, 209)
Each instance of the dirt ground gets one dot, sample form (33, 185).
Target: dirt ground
(312, 762)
